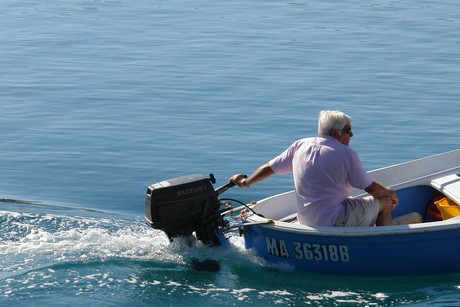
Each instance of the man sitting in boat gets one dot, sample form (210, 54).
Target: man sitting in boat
(325, 169)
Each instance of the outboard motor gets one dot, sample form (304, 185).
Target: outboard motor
(183, 205)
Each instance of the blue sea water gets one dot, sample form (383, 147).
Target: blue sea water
(99, 99)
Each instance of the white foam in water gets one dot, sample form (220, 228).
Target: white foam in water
(30, 241)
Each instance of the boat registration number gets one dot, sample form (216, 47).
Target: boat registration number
(308, 251)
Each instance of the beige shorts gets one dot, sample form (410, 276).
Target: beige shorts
(358, 212)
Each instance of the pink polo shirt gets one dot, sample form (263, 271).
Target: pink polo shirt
(324, 172)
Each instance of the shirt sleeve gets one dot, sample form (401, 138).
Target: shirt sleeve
(282, 164)
(358, 177)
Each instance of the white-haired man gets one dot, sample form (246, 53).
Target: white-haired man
(325, 169)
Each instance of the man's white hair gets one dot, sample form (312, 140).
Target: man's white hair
(329, 120)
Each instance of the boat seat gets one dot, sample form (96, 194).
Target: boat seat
(449, 186)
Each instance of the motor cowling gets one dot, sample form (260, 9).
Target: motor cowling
(183, 205)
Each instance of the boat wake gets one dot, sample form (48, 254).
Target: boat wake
(73, 252)
(42, 236)
(32, 240)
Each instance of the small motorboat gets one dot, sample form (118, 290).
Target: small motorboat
(424, 240)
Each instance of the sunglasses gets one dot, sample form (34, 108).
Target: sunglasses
(348, 130)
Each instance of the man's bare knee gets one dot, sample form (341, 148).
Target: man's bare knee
(384, 217)
(386, 205)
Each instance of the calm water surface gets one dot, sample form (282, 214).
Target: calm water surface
(98, 99)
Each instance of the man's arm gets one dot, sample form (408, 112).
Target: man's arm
(379, 191)
(264, 171)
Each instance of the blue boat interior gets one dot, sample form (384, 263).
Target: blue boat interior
(418, 199)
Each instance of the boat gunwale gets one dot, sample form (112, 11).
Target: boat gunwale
(436, 226)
